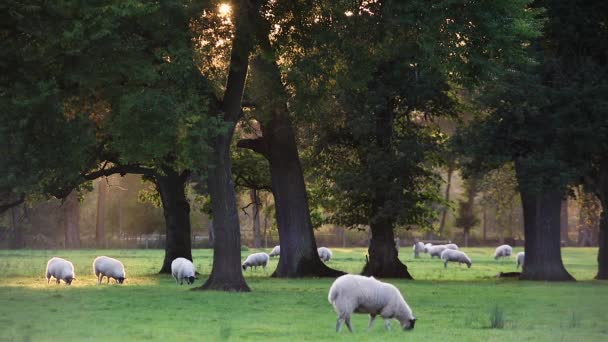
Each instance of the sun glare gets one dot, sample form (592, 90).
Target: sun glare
(224, 9)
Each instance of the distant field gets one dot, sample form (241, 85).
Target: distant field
(453, 304)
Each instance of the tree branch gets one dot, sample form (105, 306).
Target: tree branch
(257, 145)
(5, 207)
(119, 169)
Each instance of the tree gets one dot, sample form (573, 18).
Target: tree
(466, 218)
(100, 230)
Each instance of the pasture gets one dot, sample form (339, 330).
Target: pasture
(453, 304)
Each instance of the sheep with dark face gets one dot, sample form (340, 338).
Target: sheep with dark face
(503, 251)
(276, 251)
(104, 266)
(60, 269)
(182, 268)
(256, 259)
(358, 294)
(324, 253)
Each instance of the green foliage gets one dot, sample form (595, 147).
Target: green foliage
(497, 320)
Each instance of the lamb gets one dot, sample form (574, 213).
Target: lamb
(324, 253)
(354, 293)
(503, 251)
(452, 246)
(520, 259)
(453, 255)
(104, 266)
(255, 260)
(418, 247)
(182, 268)
(435, 251)
(60, 269)
(276, 251)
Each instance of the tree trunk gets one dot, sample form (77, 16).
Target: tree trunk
(448, 185)
(71, 217)
(383, 261)
(255, 200)
(211, 234)
(541, 228)
(563, 221)
(466, 238)
(602, 194)
(485, 224)
(100, 229)
(176, 209)
(16, 241)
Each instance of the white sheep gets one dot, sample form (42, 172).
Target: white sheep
(276, 251)
(60, 269)
(457, 256)
(452, 246)
(435, 250)
(324, 253)
(520, 259)
(427, 246)
(255, 260)
(354, 293)
(182, 268)
(418, 248)
(104, 266)
(503, 251)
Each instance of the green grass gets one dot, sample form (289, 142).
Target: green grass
(454, 304)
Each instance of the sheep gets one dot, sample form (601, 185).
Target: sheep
(435, 251)
(104, 266)
(397, 243)
(520, 259)
(427, 246)
(182, 268)
(276, 251)
(503, 251)
(418, 247)
(453, 255)
(255, 260)
(354, 293)
(324, 253)
(60, 269)
(452, 246)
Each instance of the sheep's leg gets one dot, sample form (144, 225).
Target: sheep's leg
(339, 324)
(445, 264)
(372, 318)
(99, 278)
(108, 277)
(347, 321)
(387, 323)
(57, 280)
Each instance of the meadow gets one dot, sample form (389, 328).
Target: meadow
(453, 304)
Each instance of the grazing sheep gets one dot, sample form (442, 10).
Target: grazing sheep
(354, 293)
(435, 251)
(324, 253)
(452, 246)
(427, 246)
(276, 251)
(503, 251)
(182, 268)
(418, 248)
(255, 260)
(104, 266)
(60, 269)
(453, 255)
(520, 259)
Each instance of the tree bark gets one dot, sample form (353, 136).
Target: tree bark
(211, 234)
(255, 209)
(71, 217)
(563, 221)
(226, 274)
(602, 194)
(100, 229)
(541, 228)
(176, 208)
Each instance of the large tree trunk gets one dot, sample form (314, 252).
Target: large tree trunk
(383, 261)
(227, 274)
(542, 233)
(602, 194)
(563, 221)
(100, 228)
(176, 208)
(255, 209)
(71, 218)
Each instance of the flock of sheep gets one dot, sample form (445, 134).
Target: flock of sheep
(348, 294)
(451, 253)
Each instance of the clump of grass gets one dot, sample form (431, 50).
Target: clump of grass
(497, 318)
(574, 320)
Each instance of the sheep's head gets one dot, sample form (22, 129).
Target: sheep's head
(245, 266)
(409, 324)
(120, 280)
(190, 280)
(68, 280)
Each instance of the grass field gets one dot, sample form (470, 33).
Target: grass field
(454, 304)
